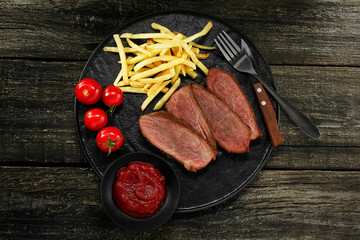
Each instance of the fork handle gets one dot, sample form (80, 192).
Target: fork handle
(305, 124)
(268, 114)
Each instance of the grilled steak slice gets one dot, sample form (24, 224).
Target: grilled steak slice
(184, 106)
(226, 87)
(176, 140)
(230, 132)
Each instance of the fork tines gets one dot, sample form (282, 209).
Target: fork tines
(227, 46)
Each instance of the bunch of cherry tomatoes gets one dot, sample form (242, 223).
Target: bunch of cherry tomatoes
(88, 91)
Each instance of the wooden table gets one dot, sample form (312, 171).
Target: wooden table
(308, 189)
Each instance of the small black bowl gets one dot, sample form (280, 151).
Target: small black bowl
(165, 212)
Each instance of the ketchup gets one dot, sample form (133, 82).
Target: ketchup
(139, 190)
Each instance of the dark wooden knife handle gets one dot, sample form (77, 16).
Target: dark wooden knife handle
(268, 114)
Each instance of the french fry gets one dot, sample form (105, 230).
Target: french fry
(180, 51)
(146, 35)
(165, 75)
(153, 95)
(137, 59)
(133, 90)
(129, 68)
(138, 48)
(164, 51)
(203, 47)
(203, 32)
(120, 84)
(160, 40)
(159, 27)
(158, 63)
(157, 69)
(142, 57)
(177, 73)
(167, 95)
(180, 35)
(132, 73)
(168, 58)
(152, 65)
(172, 71)
(137, 84)
(165, 45)
(139, 87)
(147, 86)
(153, 88)
(111, 49)
(183, 70)
(164, 90)
(190, 72)
(122, 58)
(194, 49)
(202, 56)
(156, 79)
(149, 42)
(118, 78)
(145, 62)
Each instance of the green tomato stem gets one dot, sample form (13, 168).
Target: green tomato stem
(110, 144)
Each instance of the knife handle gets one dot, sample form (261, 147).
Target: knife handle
(268, 114)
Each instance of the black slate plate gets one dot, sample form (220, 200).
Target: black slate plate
(222, 178)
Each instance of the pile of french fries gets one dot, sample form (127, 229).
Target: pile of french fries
(151, 67)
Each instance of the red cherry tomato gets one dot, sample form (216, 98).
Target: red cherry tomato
(95, 119)
(112, 97)
(109, 139)
(88, 91)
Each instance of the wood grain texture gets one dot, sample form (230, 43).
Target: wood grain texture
(286, 32)
(37, 123)
(63, 203)
(305, 157)
(308, 189)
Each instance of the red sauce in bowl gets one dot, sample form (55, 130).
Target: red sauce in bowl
(139, 190)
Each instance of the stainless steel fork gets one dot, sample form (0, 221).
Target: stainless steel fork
(240, 60)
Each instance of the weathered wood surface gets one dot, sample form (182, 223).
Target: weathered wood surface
(287, 32)
(308, 189)
(63, 203)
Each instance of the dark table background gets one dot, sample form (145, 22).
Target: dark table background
(308, 189)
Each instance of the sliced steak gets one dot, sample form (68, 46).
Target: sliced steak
(230, 132)
(176, 140)
(184, 106)
(226, 87)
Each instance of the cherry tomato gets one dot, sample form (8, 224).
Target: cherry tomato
(88, 91)
(109, 139)
(112, 97)
(95, 119)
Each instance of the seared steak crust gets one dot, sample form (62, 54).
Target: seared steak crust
(184, 106)
(230, 132)
(226, 87)
(176, 140)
